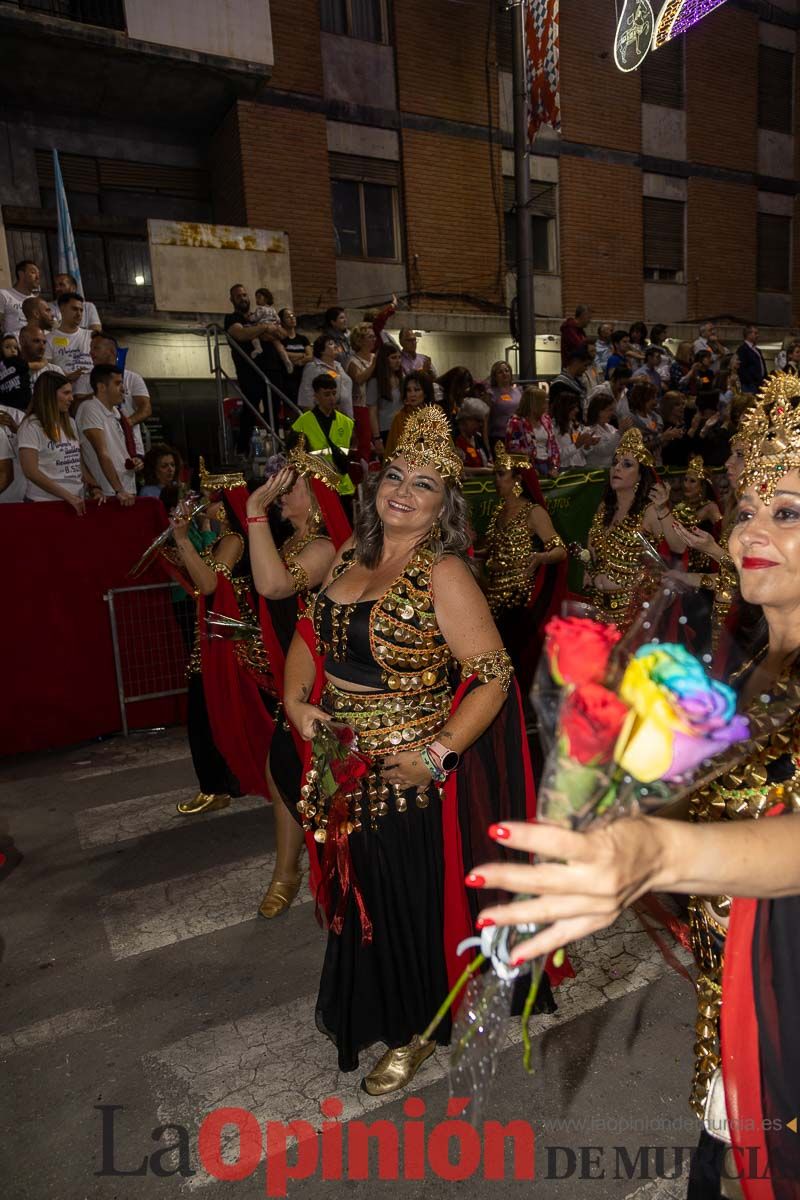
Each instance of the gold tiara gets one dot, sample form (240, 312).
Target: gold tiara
(426, 442)
(771, 433)
(221, 482)
(505, 461)
(312, 464)
(697, 467)
(632, 444)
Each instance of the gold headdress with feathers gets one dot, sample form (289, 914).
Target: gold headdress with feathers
(771, 433)
(504, 460)
(632, 444)
(221, 482)
(312, 464)
(426, 442)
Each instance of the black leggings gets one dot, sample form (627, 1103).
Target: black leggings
(213, 773)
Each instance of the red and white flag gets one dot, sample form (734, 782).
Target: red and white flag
(542, 65)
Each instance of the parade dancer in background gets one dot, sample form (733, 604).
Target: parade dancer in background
(287, 564)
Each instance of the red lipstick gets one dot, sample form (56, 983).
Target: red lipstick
(757, 564)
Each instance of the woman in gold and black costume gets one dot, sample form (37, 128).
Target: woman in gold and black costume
(521, 553)
(617, 577)
(747, 1074)
(400, 646)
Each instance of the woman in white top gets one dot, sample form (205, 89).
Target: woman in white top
(598, 422)
(360, 366)
(383, 389)
(49, 450)
(572, 441)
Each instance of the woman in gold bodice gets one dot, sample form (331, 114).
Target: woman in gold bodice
(747, 951)
(520, 545)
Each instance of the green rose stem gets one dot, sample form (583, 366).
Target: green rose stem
(463, 979)
(533, 991)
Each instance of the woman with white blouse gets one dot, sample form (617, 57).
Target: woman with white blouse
(598, 423)
(49, 449)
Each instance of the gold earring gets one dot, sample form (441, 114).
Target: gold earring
(436, 531)
(517, 488)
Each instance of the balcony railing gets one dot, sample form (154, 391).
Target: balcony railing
(109, 14)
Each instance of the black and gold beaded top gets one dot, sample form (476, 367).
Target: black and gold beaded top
(405, 648)
(617, 553)
(509, 547)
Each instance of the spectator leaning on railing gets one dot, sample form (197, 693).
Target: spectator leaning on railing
(49, 448)
(103, 437)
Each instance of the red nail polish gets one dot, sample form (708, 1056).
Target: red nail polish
(484, 923)
(518, 962)
(499, 833)
(476, 881)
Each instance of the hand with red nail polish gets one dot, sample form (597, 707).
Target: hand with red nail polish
(499, 833)
(484, 923)
(475, 881)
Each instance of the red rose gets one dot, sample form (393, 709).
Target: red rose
(578, 649)
(348, 771)
(590, 722)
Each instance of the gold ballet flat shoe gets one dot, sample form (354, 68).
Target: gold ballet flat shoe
(279, 896)
(203, 802)
(397, 1067)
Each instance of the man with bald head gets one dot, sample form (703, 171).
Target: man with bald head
(37, 311)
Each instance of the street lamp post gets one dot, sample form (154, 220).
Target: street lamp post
(526, 318)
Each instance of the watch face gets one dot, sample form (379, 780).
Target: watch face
(450, 761)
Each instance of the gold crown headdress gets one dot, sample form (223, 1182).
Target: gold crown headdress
(312, 464)
(505, 461)
(221, 482)
(427, 442)
(697, 467)
(632, 444)
(771, 430)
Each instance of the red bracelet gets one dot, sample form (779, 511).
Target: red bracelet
(257, 520)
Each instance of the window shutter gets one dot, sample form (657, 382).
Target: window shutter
(365, 170)
(542, 201)
(118, 175)
(663, 233)
(78, 170)
(663, 76)
(775, 85)
(774, 252)
(505, 58)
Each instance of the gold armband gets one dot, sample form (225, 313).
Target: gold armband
(553, 544)
(496, 665)
(222, 569)
(299, 575)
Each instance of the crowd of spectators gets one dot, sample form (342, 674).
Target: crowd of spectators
(72, 413)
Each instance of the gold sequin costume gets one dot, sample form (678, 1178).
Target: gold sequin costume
(617, 554)
(746, 793)
(509, 546)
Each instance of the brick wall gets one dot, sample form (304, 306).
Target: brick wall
(599, 104)
(225, 167)
(721, 249)
(297, 48)
(451, 222)
(442, 52)
(796, 264)
(287, 186)
(722, 89)
(601, 238)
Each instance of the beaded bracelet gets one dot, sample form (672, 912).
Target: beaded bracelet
(437, 774)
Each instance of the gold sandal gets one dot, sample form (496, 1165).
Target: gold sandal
(397, 1067)
(203, 802)
(279, 896)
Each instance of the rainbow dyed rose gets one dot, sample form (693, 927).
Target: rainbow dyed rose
(679, 718)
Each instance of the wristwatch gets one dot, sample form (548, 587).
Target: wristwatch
(447, 759)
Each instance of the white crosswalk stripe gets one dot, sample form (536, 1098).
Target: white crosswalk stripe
(161, 914)
(78, 1020)
(143, 815)
(277, 1066)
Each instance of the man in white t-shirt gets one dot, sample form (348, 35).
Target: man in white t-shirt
(103, 438)
(68, 283)
(136, 405)
(72, 346)
(11, 299)
(12, 480)
(36, 311)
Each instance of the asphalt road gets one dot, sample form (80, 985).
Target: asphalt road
(140, 990)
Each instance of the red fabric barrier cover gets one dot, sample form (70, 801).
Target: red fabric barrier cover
(59, 685)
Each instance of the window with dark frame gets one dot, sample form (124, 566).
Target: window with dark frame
(664, 239)
(365, 196)
(774, 253)
(542, 207)
(362, 19)
(775, 87)
(663, 76)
